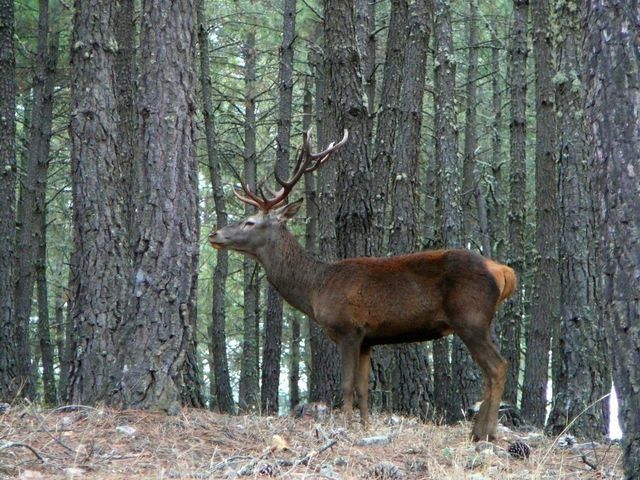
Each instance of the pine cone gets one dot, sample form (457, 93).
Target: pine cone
(268, 469)
(385, 471)
(519, 449)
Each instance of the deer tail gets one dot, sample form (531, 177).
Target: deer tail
(504, 277)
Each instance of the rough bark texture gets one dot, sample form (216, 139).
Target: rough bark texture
(448, 194)
(32, 197)
(581, 373)
(100, 264)
(612, 79)
(346, 102)
(8, 385)
(411, 384)
(466, 377)
(514, 307)
(125, 29)
(388, 111)
(273, 319)
(220, 387)
(469, 213)
(324, 381)
(41, 140)
(382, 164)
(249, 388)
(544, 306)
(159, 329)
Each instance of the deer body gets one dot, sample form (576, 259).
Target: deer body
(363, 302)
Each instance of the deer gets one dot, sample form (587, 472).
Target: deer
(363, 302)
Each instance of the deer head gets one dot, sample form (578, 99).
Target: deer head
(251, 233)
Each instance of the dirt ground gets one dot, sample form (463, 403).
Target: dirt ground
(88, 443)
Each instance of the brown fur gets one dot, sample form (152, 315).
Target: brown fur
(363, 302)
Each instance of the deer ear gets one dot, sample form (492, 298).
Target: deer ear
(288, 211)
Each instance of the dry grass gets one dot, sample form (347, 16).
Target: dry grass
(86, 443)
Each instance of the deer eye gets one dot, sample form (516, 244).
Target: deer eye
(249, 223)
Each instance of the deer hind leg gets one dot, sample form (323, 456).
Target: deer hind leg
(362, 384)
(494, 368)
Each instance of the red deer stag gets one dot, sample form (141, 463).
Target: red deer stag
(363, 302)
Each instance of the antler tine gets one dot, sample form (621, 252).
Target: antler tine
(250, 198)
(306, 162)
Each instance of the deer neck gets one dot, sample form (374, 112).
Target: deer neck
(293, 272)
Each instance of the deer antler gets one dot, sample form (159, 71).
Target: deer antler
(306, 162)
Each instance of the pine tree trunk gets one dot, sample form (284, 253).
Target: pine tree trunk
(324, 381)
(41, 148)
(32, 197)
(220, 387)
(273, 321)
(159, 330)
(382, 163)
(448, 195)
(612, 76)
(8, 361)
(544, 308)
(100, 266)
(411, 385)
(581, 373)
(346, 103)
(125, 31)
(249, 388)
(514, 307)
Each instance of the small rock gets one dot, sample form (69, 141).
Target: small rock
(377, 440)
(328, 472)
(482, 446)
(5, 408)
(566, 441)
(74, 472)
(30, 475)
(126, 430)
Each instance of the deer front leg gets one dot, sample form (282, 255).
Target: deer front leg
(362, 384)
(350, 352)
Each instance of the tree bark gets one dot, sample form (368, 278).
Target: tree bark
(448, 195)
(42, 141)
(581, 373)
(221, 386)
(101, 263)
(249, 388)
(611, 77)
(346, 102)
(125, 31)
(324, 381)
(159, 331)
(273, 320)
(514, 307)
(412, 386)
(544, 308)
(8, 361)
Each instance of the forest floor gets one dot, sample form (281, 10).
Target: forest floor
(89, 443)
